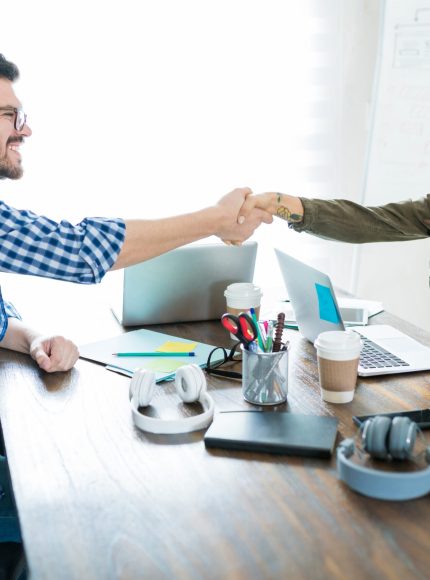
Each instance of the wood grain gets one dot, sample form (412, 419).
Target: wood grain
(100, 500)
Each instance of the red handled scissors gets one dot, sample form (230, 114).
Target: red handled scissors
(242, 326)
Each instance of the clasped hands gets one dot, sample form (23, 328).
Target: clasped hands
(249, 211)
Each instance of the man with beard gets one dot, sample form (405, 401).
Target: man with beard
(83, 253)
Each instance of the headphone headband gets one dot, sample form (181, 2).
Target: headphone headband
(190, 383)
(381, 484)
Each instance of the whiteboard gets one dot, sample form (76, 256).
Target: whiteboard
(398, 160)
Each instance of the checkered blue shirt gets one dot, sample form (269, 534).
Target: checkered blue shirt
(36, 245)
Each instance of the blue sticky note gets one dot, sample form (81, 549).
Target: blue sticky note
(327, 306)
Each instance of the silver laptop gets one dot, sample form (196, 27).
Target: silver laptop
(186, 284)
(386, 350)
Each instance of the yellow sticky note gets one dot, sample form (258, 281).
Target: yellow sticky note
(171, 346)
(164, 365)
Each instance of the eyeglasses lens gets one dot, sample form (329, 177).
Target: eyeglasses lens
(20, 119)
(222, 356)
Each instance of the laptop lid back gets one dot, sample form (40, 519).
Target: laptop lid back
(312, 297)
(185, 284)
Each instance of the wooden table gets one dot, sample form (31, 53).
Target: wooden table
(98, 499)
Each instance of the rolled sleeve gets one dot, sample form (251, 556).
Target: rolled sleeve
(36, 245)
(7, 310)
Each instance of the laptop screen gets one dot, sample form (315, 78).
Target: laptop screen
(312, 297)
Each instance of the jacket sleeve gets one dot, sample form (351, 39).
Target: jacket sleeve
(347, 221)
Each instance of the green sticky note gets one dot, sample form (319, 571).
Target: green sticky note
(164, 365)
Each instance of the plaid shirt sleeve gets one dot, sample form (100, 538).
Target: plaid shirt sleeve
(7, 310)
(36, 245)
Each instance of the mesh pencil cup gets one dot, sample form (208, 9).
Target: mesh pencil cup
(265, 377)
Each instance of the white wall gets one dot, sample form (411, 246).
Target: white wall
(358, 30)
(398, 166)
(156, 108)
(151, 109)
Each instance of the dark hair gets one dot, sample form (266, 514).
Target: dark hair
(8, 70)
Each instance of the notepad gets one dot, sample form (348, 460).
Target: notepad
(273, 432)
(146, 341)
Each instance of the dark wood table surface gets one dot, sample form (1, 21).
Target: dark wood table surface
(98, 499)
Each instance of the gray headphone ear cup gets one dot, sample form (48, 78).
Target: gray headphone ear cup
(402, 436)
(375, 437)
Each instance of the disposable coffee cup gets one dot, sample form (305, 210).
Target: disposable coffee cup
(241, 296)
(338, 353)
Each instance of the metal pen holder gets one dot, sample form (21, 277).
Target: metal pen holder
(265, 377)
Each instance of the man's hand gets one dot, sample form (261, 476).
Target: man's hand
(54, 353)
(286, 207)
(235, 228)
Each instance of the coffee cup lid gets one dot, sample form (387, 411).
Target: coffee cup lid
(344, 341)
(243, 290)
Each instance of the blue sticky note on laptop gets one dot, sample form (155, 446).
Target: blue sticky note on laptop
(326, 304)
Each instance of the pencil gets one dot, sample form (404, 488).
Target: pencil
(154, 353)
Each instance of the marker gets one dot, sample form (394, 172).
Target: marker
(254, 318)
(154, 354)
(269, 340)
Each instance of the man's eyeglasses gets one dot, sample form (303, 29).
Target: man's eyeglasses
(20, 118)
(219, 356)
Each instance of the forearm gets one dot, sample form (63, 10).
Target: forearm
(51, 353)
(18, 336)
(147, 239)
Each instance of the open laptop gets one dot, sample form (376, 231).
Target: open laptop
(386, 350)
(185, 284)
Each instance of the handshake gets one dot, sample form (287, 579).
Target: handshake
(244, 212)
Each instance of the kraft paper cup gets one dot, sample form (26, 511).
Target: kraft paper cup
(241, 296)
(338, 354)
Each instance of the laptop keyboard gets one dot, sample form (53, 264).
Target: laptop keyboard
(374, 356)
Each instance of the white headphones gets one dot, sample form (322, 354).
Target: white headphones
(190, 385)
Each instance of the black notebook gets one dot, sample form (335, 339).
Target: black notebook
(273, 432)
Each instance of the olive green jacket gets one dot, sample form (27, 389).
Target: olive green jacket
(347, 221)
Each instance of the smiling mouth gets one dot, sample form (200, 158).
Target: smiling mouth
(15, 147)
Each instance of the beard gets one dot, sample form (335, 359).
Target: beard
(9, 170)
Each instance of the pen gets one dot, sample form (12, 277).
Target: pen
(154, 353)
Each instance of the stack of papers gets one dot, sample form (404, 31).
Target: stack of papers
(271, 312)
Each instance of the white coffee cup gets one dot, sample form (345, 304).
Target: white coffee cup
(241, 296)
(338, 353)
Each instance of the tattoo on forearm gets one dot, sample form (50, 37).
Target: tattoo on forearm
(285, 214)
